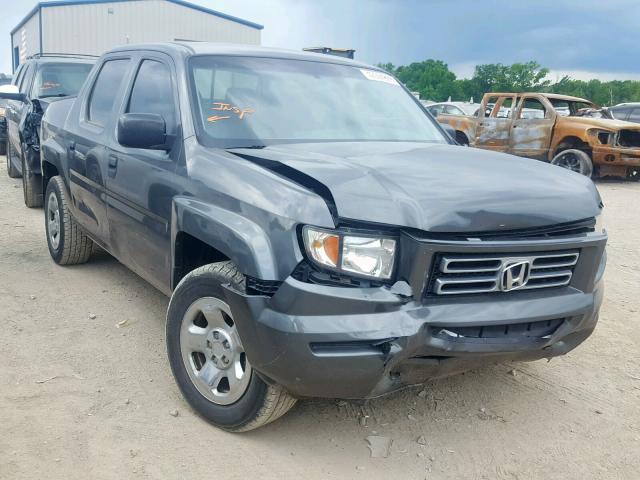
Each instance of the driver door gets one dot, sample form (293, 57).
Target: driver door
(494, 127)
(532, 128)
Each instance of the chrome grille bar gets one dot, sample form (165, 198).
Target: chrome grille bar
(458, 274)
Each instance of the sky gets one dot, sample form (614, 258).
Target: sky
(582, 38)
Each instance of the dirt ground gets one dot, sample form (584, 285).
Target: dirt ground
(87, 398)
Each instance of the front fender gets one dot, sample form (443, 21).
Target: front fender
(244, 242)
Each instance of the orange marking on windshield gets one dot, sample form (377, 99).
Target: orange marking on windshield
(215, 118)
(227, 107)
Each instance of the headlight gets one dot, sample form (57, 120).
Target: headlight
(371, 256)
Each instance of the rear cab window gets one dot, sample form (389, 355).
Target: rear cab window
(59, 79)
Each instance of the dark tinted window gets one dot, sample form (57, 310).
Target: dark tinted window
(152, 92)
(105, 90)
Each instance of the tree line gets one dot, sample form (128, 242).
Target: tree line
(434, 81)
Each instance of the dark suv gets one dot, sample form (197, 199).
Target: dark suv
(39, 81)
(317, 231)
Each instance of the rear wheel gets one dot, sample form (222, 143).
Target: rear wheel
(12, 171)
(208, 359)
(68, 244)
(31, 186)
(575, 160)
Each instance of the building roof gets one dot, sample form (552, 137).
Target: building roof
(61, 3)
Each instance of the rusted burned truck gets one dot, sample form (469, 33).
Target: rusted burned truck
(554, 128)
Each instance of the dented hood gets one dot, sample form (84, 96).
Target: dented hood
(437, 188)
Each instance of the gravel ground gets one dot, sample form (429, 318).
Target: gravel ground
(86, 390)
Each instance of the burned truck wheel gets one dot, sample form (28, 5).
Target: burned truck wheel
(31, 184)
(207, 357)
(11, 170)
(574, 160)
(68, 244)
(462, 139)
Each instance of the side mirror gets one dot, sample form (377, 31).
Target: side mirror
(143, 130)
(449, 129)
(11, 92)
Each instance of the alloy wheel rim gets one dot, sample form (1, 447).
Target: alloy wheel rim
(53, 220)
(212, 352)
(570, 162)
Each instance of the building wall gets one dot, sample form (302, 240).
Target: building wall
(27, 38)
(92, 29)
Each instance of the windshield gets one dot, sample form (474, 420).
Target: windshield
(60, 79)
(246, 101)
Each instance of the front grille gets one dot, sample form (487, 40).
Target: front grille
(629, 138)
(458, 274)
(540, 329)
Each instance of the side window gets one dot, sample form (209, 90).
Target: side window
(452, 110)
(153, 93)
(105, 89)
(532, 108)
(18, 76)
(25, 81)
(436, 110)
(635, 115)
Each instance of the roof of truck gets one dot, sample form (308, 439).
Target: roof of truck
(555, 96)
(209, 48)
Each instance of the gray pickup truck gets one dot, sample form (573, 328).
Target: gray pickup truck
(317, 231)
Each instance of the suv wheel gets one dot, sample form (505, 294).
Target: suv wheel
(31, 187)
(575, 160)
(68, 244)
(207, 357)
(11, 170)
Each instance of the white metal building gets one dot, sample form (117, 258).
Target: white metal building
(92, 26)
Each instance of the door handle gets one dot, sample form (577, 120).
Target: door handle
(113, 165)
(72, 145)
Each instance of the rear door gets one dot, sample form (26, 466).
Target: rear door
(532, 127)
(494, 127)
(87, 150)
(140, 182)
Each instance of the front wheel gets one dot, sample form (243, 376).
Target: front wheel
(574, 160)
(31, 184)
(207, 357)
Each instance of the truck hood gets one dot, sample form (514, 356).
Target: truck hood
(433, 187)
(607, 123)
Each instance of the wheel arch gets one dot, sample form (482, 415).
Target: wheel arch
(217, 234)
(568, 142)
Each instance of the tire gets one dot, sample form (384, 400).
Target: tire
(31, 188)
(11, 170)
(575, 160)
(195, 352)
(3, 148)
(68, 244)
(462, 139)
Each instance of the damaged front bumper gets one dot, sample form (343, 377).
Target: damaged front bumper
(356, 343)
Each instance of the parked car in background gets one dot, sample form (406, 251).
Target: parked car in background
(4, 80)
(38, 82)
(553, 128)
(629, 112)
(453, 108)
(343, 254)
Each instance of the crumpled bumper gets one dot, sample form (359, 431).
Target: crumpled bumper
(324, 341)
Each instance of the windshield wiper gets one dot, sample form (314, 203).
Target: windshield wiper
(54, 95)
(249, 147)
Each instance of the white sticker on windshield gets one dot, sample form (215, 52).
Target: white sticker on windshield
(379, 76)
